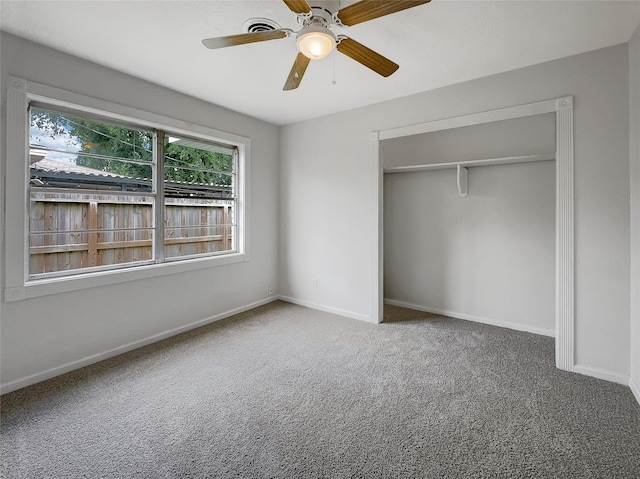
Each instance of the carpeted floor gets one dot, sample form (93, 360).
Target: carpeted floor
(287, 392)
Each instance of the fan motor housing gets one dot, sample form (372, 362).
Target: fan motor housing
(319, 16)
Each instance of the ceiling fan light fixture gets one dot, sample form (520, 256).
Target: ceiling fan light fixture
(315, 42)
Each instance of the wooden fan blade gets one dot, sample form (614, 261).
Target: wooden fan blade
(364, 55)
(295, 76)
(243, 39)
(366, 10)
(298, 6)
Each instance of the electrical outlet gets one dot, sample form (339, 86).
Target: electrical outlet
(270, 291)
(315, 282)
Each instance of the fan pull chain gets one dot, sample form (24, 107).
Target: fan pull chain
(333, 82)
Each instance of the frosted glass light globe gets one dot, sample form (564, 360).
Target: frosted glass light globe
(315, 42)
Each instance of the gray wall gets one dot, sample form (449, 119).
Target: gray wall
(489, 256)
(52, 331)
(634, 146)
(325, 209)
(530, 135)
(326, 203)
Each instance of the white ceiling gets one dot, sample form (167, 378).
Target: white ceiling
(437, 44)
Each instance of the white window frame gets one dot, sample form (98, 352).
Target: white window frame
(20, 93)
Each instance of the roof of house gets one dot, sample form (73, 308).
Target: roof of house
(55, 173)
(47, 164)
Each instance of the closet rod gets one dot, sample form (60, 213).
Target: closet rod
(471, 163)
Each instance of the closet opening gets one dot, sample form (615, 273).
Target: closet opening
(469, 224)
(474, 219)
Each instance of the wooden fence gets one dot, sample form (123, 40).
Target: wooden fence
(72, 231)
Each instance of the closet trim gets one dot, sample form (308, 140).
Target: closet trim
(565, 271)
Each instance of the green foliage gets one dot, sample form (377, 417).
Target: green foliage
(113, 143)
(177, 156)
(109, 141)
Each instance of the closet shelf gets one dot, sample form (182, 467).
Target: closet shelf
(471, 163)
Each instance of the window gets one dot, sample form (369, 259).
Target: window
(199, 193)
(118, 191)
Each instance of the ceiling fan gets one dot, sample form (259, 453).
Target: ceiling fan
(315, 39)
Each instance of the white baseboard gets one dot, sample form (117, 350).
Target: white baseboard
(601, 374)
(635, 389)
(94, 358)
(327, 309)
(470, 317)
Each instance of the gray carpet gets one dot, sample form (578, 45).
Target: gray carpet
(287, 392)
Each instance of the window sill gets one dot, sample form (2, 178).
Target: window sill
(78, 282)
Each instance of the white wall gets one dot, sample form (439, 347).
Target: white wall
(50, 332)
(489, 256)
(326, 201)
(634, 147)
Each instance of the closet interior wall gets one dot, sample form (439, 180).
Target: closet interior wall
(489, 256)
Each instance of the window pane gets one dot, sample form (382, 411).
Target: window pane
(110, 225)
(66, 151)
(70, 231)
(67, 132)
(196, 226)
(197, 169)
(199, 197)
